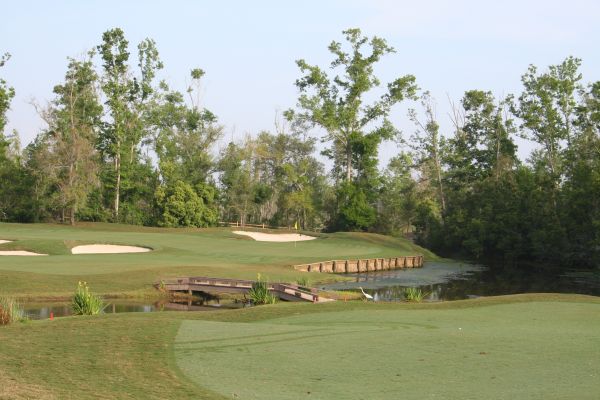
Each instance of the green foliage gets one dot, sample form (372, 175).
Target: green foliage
(304, 282)
(183, 134)
(11, 311)
(67, 154)
(415, 295)
(180, 205)
(354, 211)
(84, 302)
(6, 95)
(399, 197)
(260, 293)
(337, 104)
(129, 108)
(459, 192)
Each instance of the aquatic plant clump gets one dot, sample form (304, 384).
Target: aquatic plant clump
(10, 311)
(414, 294)
(303, 282)
(260, 294)
(86, 303)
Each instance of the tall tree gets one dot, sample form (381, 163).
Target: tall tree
(399, 196)
(14, 182)
(291, 177)
(6, 95)
(127, 98)
(73, 124)
(336, 103)
(184, 135)
(428, 147)
(546, 107)
(237, 182)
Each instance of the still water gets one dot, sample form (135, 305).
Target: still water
(61, 309)
(439, 280)
(455, 281)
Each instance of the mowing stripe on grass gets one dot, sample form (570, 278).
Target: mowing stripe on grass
(496, 352)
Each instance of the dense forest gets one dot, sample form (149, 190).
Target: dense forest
(120, 146)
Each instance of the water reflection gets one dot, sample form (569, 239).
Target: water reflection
(454, 281)
(61, 309)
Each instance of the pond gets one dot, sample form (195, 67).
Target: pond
(455, 281)
(37, 310)
(439, 280)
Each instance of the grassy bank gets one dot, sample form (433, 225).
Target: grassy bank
(176, 252)
(523, 347)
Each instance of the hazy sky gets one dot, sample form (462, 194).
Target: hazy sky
(248, 48)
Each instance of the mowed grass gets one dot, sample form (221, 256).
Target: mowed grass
(176, 252)
(511, 347)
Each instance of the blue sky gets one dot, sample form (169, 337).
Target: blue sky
(248, 48)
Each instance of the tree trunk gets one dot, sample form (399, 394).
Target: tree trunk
(118, 184)
(438, 168)
(72, 216)
(348, 163)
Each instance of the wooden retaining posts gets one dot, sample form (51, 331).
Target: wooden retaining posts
(362, 265)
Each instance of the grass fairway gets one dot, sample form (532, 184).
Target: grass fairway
(512, 347)
(176, 252)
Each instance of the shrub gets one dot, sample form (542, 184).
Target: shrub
(86, 303)
(414, 294)
(260, 294)
(10, 311)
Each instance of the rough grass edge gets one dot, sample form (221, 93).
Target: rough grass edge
(11, 311)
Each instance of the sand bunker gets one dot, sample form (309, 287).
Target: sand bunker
(20, 253)
(275, 237)
(17, 252)
(107, 249)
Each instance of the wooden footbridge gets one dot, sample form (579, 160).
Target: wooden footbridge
(284, 291)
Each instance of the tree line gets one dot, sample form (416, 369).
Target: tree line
(120, 146)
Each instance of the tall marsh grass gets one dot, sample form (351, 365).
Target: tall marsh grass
(303, 282)
(414, 294)
(260, 294)
(86, 303)
(10, 311)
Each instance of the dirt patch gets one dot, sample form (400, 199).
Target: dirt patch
(107, 249)
(275, 237)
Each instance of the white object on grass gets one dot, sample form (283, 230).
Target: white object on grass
(107, 249)
(275, 237)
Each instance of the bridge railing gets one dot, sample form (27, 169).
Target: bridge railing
(310, 294)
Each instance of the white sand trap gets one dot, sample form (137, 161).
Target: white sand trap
(17, 252)
(275, 237)
(107, 249)
(20, 253)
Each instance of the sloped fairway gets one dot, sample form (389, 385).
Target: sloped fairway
(537, 350)
(511, 347)
(175, 252)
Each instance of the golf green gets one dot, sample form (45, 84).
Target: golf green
(536, 350)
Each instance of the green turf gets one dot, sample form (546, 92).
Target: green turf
(511, 347)
(526, 350)
(176, 252)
